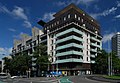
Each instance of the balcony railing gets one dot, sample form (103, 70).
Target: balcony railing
(69, 38)
(69, 60)
(69, 30)
(69, 52)
(69, 45)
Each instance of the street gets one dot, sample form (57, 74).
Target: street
(31, 80)
(65, 79)
(83, 79)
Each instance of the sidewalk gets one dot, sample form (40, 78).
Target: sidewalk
(101, 78)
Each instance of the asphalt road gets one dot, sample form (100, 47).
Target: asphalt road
(30, 80)
(83, 79)
(68, 79)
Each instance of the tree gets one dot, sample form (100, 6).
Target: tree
(115, 62)
(100, 66)
(42, 57)
(101, 62)
(7, 64)
(18, 64)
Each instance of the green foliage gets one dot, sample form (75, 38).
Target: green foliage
(19, 63)
(42, 57)
(101, 62)
(101, 65)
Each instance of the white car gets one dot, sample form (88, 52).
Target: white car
(14, 77)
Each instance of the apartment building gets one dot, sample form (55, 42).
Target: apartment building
(116, 44)
(28, 44)
(72, 38)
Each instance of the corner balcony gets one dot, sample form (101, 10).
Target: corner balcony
(92, 61)
(69, 38)
(33, 59)
(69, 30)
(69, 52)
(69, 60)
(33, 64)
(95, 44)
(93, 56)
(93, 38)
(69, 45)
(93, 50)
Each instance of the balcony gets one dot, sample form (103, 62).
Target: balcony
(93, 38)
(69, 60)
(93, 50)
(43, 41)
(69, 30)
(33, 64)
(95, 44)
(33, 59)
(69, 52)
(69, 45)
(69, 38)
(93, 56)
(92, 61)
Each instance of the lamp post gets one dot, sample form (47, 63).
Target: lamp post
(109, 60)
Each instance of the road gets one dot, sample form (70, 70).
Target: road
(68, 79)
(31, 80)
(83, 79)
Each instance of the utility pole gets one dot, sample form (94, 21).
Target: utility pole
(111, 65)
(109, 73)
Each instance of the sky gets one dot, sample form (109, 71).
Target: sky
(19, 16)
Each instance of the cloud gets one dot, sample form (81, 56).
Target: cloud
(48, 16)
(5, 51)
(21, 35)
(104, 13)
(107, 12)
(12, 30)
(27, 24)
(118, 3)
(19, 13)
(107, 37)
(118, 16)
(16, 12)
(77, 2)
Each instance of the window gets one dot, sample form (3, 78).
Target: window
(52, 25)
(75, 16)
(68, 15)
(87, 40)
(64, 18)
(78, 18)
(84, 25)
(82, 20)
(57, 22)
(87, 48)
(87, 58)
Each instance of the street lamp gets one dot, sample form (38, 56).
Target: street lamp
(109, 60)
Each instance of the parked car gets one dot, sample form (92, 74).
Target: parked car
(15, 77)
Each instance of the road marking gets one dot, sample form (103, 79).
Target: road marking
(64, 80)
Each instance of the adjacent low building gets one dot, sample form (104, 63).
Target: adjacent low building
(73, 40)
